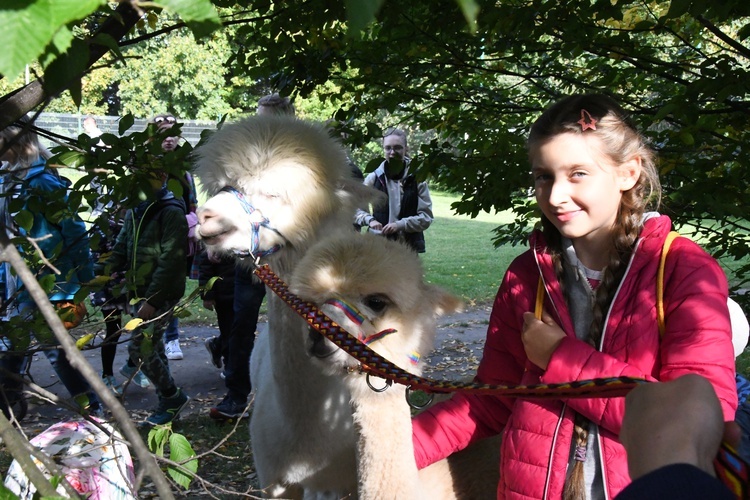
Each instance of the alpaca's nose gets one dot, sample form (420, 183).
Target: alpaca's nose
(204, 214)
(209, 223)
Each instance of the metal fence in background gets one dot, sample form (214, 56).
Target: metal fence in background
(69, 125)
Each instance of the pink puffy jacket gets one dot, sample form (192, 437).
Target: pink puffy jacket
(537, 433)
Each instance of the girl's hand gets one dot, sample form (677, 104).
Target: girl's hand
(540, 338)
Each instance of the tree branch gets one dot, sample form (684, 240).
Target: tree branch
(723, 36)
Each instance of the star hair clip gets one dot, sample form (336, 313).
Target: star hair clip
(587, 121)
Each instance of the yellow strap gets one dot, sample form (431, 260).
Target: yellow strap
(660, 281)
(539, 306)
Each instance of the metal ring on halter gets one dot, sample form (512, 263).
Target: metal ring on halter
(409, 392)
(388, 383)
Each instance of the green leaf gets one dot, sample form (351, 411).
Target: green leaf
(47, 282)
(210, 283)
(157, 438)
(109, 42)
(25, 220)
(179, 451)
(678, 8)
(360, 13)
(200, 15)
(687, 138)
(126, 122)
(147, 345)
(70, 159)
(28, 26)
(470, 9)
(65, 70)
(59, 45)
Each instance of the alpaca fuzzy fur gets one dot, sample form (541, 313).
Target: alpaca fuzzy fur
(296, 176)
(383, 280)
(302, 429)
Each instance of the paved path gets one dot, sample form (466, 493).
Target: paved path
(458, 349)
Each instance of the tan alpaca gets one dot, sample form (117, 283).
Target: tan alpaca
(295, 177)
(382, 282)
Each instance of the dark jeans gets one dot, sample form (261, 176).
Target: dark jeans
(173, 330)
(71, 378)
(224, 310)
(248, 297)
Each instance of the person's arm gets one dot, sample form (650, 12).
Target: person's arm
(75, 251)
(117, 261)
(362, 217)
(671, 432)
(77, 248)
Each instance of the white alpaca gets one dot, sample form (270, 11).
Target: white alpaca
(369, 285)
(299, 190)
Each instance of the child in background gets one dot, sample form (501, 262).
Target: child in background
(597, 257)
(62, 240)
(150, 249)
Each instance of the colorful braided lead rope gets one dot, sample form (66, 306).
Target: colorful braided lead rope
(375, 364)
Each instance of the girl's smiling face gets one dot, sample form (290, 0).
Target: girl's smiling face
(579, 189)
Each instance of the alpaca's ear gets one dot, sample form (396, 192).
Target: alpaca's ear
(443, 302)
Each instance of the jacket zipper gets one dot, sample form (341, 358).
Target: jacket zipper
(565, 405)
(552, 450)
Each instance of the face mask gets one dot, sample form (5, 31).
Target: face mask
(394, 166)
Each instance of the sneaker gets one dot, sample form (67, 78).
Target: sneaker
(172, 348)
(229, 408)
(111, 382)
(96, 410)
(91, 408)
(137, 376)
(168, 409)
(212, 346)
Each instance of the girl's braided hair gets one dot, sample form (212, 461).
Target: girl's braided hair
(621, 142)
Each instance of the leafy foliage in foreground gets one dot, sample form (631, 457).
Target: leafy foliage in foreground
(680, 67)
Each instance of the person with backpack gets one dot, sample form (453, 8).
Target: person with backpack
(189, 195)
(150, 251)
(593, 270)
(61, 239)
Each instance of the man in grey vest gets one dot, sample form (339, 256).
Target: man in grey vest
(408, 211)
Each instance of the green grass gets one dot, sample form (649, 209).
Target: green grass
(460, 255)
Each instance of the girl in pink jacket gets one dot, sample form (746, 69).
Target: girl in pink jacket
(597, 255)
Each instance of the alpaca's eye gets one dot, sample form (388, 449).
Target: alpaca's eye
(376, 303)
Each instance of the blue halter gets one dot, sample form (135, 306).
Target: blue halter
(249, 209)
